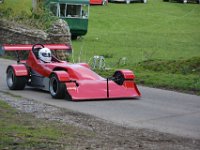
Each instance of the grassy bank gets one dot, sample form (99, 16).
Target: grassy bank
(23, 131)
(157, 30)
(180, 75)
(145, 33)
(21, 13)
(17, 7)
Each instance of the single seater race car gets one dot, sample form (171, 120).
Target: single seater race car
(66, 80)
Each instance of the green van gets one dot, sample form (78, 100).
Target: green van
(74, 12)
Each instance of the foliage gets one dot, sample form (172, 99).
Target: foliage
(40, 20)
(16, 6)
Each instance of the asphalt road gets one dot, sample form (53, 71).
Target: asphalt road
(161, 110)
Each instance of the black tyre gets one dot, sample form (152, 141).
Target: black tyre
(14, 82)
(56, 88)
(119, 78)
(74, 37)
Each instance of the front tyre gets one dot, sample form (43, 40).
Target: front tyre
(119, 78)
(74, 37)
(56, 88)
(15, 82)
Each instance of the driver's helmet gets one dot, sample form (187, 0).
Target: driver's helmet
(44, 55)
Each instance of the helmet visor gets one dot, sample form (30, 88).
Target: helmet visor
(46, 54)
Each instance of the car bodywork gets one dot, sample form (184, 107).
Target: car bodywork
(66, 80)
(128, 1)
(98, 2)
(183, 1)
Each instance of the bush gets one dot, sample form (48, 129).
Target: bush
(41, 20)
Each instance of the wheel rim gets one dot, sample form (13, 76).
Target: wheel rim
(10, 78)
(53, 86)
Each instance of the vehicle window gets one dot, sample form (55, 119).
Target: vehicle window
(69, 10)
(85, 10)
(74, 10)
(54, 8)
(63, 10)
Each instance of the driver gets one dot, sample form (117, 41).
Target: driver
(44, 55)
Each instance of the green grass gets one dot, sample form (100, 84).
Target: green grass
(141, 32)
(185, 67)
(182, 75)
(23, 131)
(157, 30)
(184, 83)
(21, 13)
(17, 6)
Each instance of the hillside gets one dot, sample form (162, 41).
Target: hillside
(139, 32)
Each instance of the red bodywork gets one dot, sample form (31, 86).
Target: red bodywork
(81, 82)
(98, 2)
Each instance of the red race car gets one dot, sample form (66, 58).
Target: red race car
(62, 79)
(98, 2)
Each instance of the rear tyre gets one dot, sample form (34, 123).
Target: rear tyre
(118, 78)
(14, 82)
(56, 88)
(74, 37)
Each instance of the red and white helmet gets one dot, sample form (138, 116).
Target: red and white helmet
(45, 55)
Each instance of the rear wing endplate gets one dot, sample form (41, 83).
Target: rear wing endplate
(28, 47)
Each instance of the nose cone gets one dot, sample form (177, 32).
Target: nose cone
(99, 89)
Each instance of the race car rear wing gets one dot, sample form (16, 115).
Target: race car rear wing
(28, 47)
